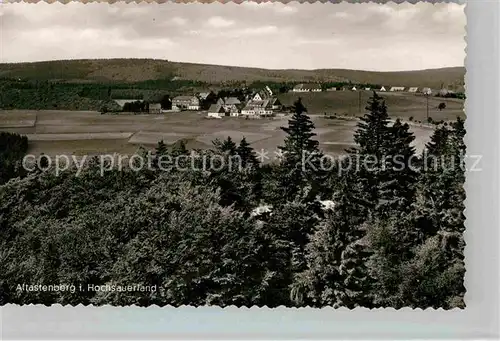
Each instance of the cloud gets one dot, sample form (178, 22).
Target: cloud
(219, 22)
(366, 36)
(179, 21)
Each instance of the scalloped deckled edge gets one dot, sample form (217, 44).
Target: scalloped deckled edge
(230, 307)
(460, 2)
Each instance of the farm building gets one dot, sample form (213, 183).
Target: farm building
(154, 108)
(216, 111)
(368, 89)
(444, 92)
(186, 102)
(258, 108)
(332, 89)
(257, 97)
(203, 95)
(427, 91)
(232, 105)
(248, 111)
(306, 88)
(275, 103)
(354, 89)
(383, 89)
(397, 88)
(413, 89)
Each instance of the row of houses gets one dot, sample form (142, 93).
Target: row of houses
(260, 104)
(317, 88)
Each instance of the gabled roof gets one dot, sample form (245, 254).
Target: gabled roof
(247, 107)
(154, 106)
(204, 95)
(217, 108)
(232, 101)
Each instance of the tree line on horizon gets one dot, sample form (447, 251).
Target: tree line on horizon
(393, 239)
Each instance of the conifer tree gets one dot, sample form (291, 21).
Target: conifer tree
(399, 178)
(226, 146)
(300, 134)
(299, 166)
(179, 148)
(372, 138)
(161, 148)
(246, 153)
(329, 275)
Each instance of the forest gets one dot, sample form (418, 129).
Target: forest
(394, 237)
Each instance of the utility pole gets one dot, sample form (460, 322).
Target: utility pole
(359, 101)
(427, 96)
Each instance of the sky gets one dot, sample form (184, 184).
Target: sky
(367, 36)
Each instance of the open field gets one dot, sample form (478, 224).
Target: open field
(136, 70)
(87, 132)
(402, 105)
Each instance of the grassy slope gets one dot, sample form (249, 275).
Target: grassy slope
(401, 105)
(133, 70)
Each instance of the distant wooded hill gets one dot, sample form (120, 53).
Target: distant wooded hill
(136, 70)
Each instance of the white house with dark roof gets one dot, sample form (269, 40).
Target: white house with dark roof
(397, 89)
(203, 95)
(216, 111)
(427, 91)
(307, 88)
(258, 108)
(154, 108)
(186, 102)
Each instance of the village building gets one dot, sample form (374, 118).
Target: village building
(332, 89)
(257, 97)
(275, 104)
(397, 89)
(383, 89)
(186, 102)
(307, 88)
(231, 102)
(203, 95)
(368, 89)
(427, 91)
(354, 89)
(248, 111)
(258, 108)
(444, 92)
(154, 108)
(216, 111)
(413, 89)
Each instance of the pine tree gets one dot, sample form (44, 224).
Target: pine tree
(299, 166)
(246, 153)
(373, 139)
(226, 146)
(299, 134)
(179, 148)
(399, 178)
(161, 148)
(330, 273)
